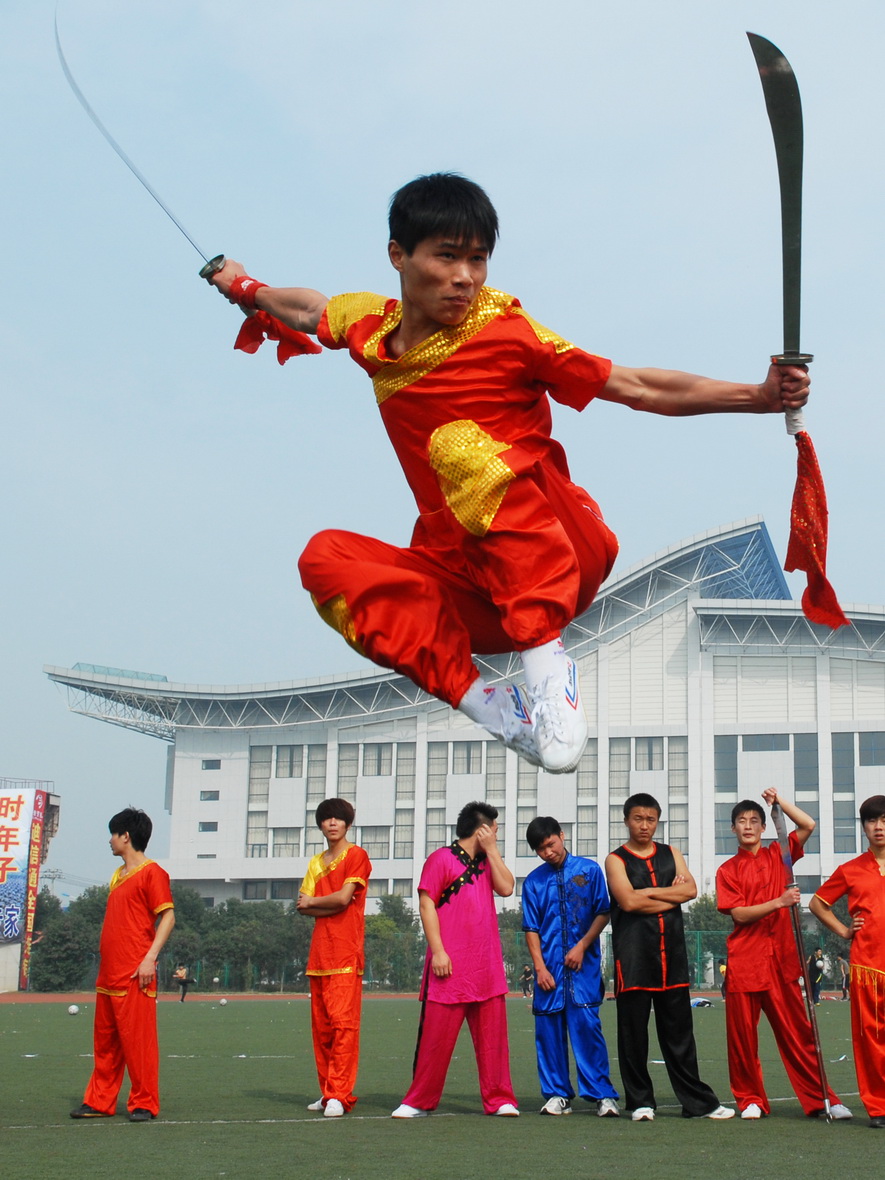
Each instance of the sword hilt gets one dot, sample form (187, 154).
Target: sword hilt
(212, 267)
(795, 419)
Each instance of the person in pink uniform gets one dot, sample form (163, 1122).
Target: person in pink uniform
(464, 975)
(862, 881)
(138, 921)
(763, 962)
(507, 551)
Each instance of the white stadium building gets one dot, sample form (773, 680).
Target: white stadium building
(703, 684)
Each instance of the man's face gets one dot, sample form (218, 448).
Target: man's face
(333, 829)
(748, 827)
(441, 278)
(875, 833)
(552, 850)
(642, 823)
(118, 843)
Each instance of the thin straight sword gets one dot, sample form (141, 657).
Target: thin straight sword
(212, 264)
(783, 839)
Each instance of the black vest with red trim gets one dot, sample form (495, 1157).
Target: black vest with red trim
(649, 949)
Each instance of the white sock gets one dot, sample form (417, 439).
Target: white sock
(546, 661)
(478, 703)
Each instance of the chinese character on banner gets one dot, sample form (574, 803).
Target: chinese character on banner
(11, 923)
(11, 808)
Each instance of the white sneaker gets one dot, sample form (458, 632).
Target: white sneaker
(334, 1109)
(838, 1110)
(318, 1105)
(409, 1112)
(508, 1110)
(560, 726)
(721, 1112)
(643, 1114)
(556, 1105)
(517, 731)
(753, 1111)
(607, 1108)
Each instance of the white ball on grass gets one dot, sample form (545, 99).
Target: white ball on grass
(222, 1002)
(74, 1009)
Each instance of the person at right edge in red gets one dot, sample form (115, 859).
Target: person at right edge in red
(507, 551)
(862, 882)
(764, 965)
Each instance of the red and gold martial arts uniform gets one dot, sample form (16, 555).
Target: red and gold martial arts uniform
(864, 885)
(763, 976)
(125, 1031)
(335, 966)
(506, 550)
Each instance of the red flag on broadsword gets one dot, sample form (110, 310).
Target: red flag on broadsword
(263, 325)
(807, 550)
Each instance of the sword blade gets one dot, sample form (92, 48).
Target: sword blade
(784, 107)
(81, 98)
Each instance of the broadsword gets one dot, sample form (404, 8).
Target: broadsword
(784, 107)
(777, 817)
(212, 265)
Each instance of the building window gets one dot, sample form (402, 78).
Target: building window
(588, 774)
(208, 902)
(212, 764)
(519, 884)
(677, 825)
(763, 743)
(677, 768)
(283, 890)
(376, 888)
(402, 887)
(502, 826)
(316, 776)
(286, 841)
(404, 834)
(254, 890)
(208, 825)
(260, 761)
(806, 782)
(377, 759)
(844, 819)
(649, 753)
(256, 834)
(586, 834)
(526, 785)
(619, 766)
(437, 832)
(210, 796)
(496, 771)
(405, 772)
(348, 770)
(206, 856)
(437, 769)
(725, 785)
(376, 842)
(871, 749)
(290, 762)
(467, 757)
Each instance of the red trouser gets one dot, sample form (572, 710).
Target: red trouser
(335, 1021)
(782, 1003)
(440, 1025)
(425, 609)
(125, 1036)
(868, 1035)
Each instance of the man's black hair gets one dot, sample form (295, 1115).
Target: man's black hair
(473, 816)
(335, 809)
(747, 805)
(442, 204)
(540, 829)
(872, 808)
(134, 822)
(641, 799)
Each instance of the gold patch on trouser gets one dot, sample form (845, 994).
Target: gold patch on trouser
(472, 477)
(336, 613)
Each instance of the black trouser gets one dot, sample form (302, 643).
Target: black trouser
(675, 1031)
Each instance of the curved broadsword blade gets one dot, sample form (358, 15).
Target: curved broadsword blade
(119, 151)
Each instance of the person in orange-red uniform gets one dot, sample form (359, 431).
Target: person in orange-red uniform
(862, 881)
(334, 893)
(506, 550)
(138, 920)
(764, 964)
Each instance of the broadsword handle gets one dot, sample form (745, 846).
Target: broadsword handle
(794, 419)
(212, 267)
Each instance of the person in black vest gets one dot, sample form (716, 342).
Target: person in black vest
(648, 883)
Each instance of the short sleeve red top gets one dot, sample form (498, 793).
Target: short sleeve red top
(861, 880)
(337, 946)
(135, 900)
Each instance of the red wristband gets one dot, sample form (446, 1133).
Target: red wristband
(243, 291)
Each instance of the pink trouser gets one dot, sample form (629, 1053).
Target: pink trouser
(440, 1025)
(782, 1003)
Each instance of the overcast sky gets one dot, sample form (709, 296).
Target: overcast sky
(158, 487)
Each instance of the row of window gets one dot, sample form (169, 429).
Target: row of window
(288, 890)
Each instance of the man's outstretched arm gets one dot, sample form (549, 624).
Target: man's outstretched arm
(665, 391)
(300, 308)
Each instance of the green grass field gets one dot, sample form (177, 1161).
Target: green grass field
(235, 1082)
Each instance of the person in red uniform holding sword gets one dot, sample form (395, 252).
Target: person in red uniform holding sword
(862, 881)
(763, 962)
(507, 551)
(138, 921)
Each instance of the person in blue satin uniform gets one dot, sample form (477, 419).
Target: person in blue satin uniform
(565, 907)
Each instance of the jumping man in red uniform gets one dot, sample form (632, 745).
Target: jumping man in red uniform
(507, 551)
(138, 920)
